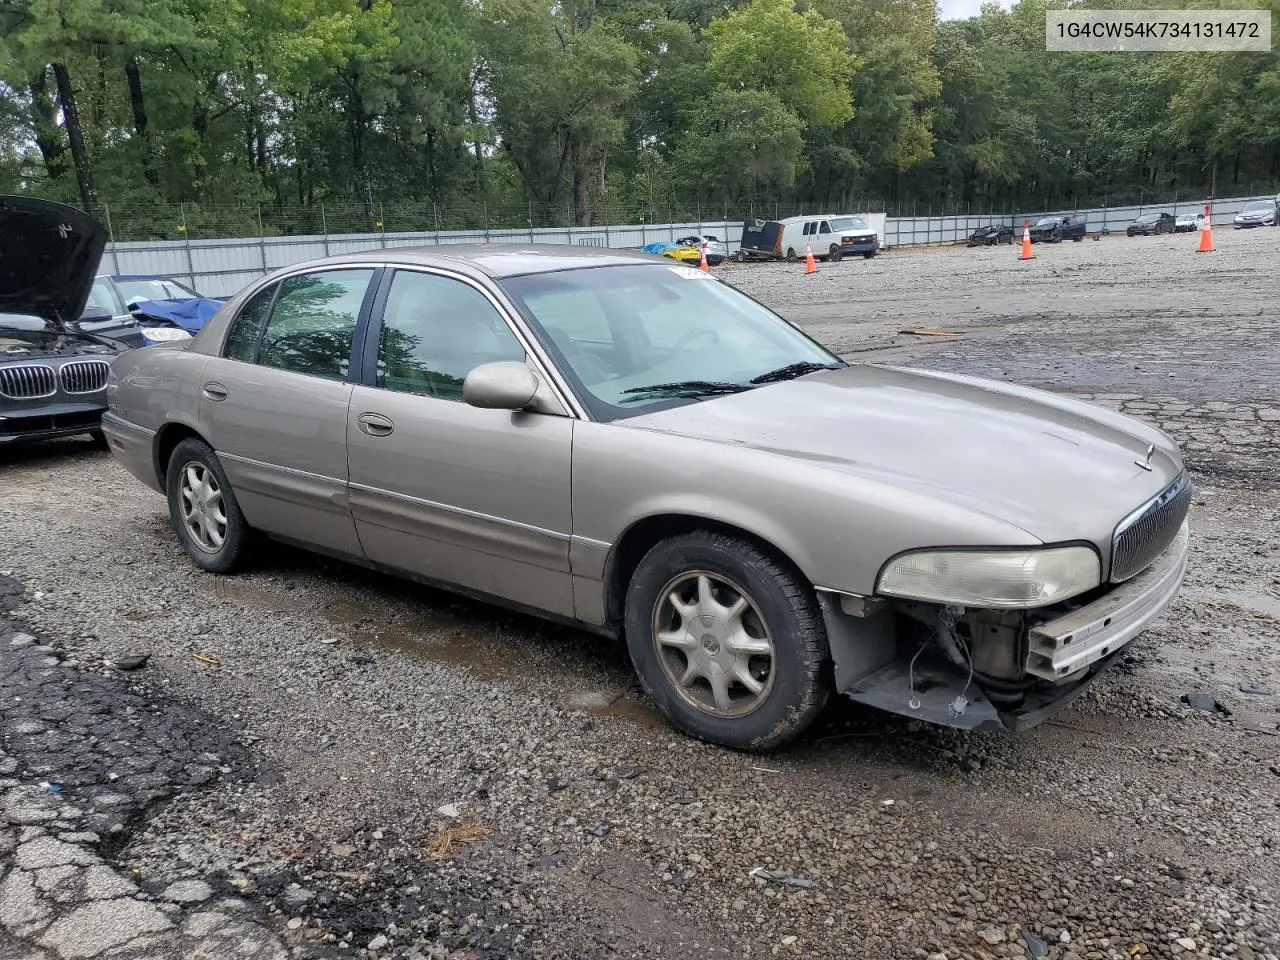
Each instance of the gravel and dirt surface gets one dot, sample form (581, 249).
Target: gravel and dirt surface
(319, 761)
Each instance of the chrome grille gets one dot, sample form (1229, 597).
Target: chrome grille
(84, 376)
(1143, 535)
(27, 381)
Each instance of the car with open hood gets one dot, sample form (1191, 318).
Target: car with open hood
(634, 447)
(53, 371)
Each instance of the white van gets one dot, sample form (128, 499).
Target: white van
(830, 236)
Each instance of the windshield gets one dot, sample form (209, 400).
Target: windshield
(619, 328)
(134, 291)
(1258, 206)
(1046, 221)
(1148, 218)
(848, 223)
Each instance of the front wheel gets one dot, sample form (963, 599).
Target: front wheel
(834, 254)
(203, 509)
(728, 641)
(869, 254)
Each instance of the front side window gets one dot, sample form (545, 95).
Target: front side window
(825, 228)
(621, 330)
(313, 323)
(436, 330)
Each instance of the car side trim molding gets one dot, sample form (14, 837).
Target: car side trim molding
(461, 511)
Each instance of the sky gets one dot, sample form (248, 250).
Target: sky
(960, 9)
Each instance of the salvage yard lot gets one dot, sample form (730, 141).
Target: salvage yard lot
(325, 725)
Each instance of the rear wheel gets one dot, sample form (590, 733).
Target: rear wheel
(203, 509)
(727, 640)
(741, 256)
(791, 254)
(834, 254)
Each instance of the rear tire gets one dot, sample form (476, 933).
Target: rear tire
(204, 511)
(687, 589)
(791, 255)
(741, 257)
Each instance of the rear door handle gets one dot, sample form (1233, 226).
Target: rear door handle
(215, 391)
(375, 424)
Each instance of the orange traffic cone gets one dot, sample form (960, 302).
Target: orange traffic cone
(810, 265)
(703, 266)
(1026, 253)
(1206, 234)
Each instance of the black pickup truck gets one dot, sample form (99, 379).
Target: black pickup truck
(1057, 229)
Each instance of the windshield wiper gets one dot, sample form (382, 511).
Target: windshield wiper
(690, 388)
(793, 370)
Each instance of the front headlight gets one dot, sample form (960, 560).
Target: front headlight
(1014, 579)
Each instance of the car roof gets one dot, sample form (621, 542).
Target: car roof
(492, 259)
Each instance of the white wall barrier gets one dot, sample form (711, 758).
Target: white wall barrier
(221, 267)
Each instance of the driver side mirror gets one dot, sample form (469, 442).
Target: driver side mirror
(504, 385)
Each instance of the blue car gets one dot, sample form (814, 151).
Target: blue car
(151, 301)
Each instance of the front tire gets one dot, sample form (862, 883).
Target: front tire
(834, 254)
(728, 640)
(203, 509)
(869, 254)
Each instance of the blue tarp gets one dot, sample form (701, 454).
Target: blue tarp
(659, 247)
(190, 314)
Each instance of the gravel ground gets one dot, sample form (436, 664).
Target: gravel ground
(398, 772)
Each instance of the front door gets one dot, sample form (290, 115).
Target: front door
(462, 495)
(274, 406)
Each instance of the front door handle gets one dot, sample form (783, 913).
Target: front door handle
(375, 424)
(215, 391)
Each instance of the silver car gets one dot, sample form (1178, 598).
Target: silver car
(639, 449)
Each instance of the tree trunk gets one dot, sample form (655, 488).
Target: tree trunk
(475, 125)
(75, 135)
(48, 138)
(140, 119)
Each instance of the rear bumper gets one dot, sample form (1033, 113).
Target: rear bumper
(46, 422)
(133, 447)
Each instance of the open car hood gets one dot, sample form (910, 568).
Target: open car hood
(49, 255)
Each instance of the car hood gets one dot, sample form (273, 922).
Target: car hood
(49, 255)
(29, 344)
(1057, 468)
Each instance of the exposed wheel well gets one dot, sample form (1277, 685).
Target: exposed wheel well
(167, 439)
(641, 537)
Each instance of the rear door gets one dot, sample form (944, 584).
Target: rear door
(467, 496)
(274, 405)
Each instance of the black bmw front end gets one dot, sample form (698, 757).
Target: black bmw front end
(53, 377)
(52, 384)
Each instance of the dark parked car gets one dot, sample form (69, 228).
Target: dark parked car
(1151, 224)
(1057, 229)
(991, 234)
(53, 376)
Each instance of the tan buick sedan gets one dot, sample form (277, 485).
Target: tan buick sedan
(637, 448)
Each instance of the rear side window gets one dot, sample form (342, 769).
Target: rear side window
(246, 329)
(313, 323)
